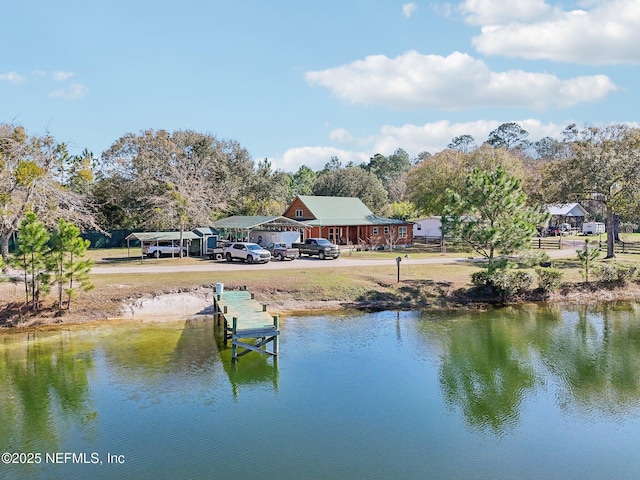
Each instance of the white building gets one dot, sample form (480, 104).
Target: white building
(428, 227)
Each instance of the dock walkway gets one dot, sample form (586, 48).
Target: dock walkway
(243, 317)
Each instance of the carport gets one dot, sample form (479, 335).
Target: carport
(150, 238)
(239, 227)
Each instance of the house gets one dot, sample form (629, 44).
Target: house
(348, 221)
(429, 227)
(571, 213)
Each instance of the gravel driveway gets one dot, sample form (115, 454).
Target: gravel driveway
(303, 262)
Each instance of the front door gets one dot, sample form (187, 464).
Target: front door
(334, 235)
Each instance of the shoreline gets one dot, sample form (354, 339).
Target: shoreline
(187, 303)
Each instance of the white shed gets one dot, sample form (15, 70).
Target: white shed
(428, 227)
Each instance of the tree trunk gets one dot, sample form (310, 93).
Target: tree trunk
(4, 238)
(610, 226)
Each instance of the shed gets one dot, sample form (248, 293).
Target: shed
(209, 238)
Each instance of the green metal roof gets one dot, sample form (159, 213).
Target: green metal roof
(335, 207)
(342, 211)
(202, 231)
(161, 236)
(239, 222)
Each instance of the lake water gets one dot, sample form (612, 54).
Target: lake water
(518, 393)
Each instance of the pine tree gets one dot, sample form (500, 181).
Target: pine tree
(71, 270)
(31, 257)
(491, 214)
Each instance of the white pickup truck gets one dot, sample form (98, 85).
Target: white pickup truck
(159, 250)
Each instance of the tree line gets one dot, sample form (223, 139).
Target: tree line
(160, 180)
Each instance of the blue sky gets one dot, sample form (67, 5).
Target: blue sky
(301, 81)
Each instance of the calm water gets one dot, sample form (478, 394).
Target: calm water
(532, 393)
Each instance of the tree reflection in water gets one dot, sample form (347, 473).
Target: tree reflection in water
(44, 390)
(490, 361)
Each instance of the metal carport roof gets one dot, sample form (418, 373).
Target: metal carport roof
(161, 236)
(240, 222)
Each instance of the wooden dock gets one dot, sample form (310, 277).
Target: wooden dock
(242, 317)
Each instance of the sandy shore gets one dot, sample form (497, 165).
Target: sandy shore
(175, 306)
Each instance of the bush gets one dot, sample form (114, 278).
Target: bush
(614, 272)
(549, 279)
(505, 283)
(532, 258)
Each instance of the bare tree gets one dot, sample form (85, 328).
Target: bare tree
(30, 182)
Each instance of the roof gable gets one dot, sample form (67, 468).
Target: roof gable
(567, 210)
(326, 208)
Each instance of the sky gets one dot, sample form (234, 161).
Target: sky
(298, 82)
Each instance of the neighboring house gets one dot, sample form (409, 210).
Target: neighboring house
(571, 213)
(430, 227)
(347, 221)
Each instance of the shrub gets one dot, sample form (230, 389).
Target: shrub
(532, 258)
(480, 279)
(549, 279)
(505, 283)
(512, 282)
(614, 272)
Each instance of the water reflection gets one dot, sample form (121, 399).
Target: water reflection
(250, 370)
(595, 355)
(173, 359)
(44, 390)
(490, 362)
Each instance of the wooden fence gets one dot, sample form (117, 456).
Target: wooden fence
(546, 243)
(626, 247)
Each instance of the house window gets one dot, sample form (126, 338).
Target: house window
(402, 232)
(299, 213)
(375, 230)
(386, 230)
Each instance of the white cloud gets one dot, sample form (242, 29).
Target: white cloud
(435, 136)
(606, 34)
(73, 91)
(61, 76)
(491, 12)
(457, 81)
(431, 137)
(408, 9)
(12, 77)
(316, 158)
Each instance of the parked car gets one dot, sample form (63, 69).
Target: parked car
(166, 249)
(247, 252)
(280, 251)
(553, 231)
(321, 247)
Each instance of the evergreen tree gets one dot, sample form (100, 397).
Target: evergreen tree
(586, 257)
(66, 259)
(491, 214)
(30, 256)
